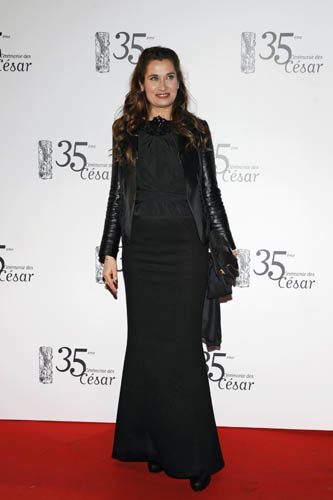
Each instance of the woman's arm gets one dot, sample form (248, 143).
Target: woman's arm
(111, 234)
(218, 218)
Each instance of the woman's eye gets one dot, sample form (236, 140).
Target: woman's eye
(155, 77)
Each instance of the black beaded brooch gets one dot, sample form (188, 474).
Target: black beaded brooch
(158, 126)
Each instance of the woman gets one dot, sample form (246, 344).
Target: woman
(164, 202)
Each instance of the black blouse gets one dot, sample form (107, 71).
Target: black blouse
(160, 183)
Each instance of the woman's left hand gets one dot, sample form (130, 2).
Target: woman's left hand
(234, 251)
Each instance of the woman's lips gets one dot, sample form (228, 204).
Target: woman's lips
(163, 96)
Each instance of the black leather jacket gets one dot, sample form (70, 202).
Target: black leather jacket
(203, 195)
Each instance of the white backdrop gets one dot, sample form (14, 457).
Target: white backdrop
(260, 73)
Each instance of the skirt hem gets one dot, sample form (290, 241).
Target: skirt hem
(167, 472)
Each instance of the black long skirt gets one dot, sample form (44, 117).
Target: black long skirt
(165, 409)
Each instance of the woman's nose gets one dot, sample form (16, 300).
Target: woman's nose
(162, 85)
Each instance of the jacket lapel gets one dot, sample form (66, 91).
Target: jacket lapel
(190, 160)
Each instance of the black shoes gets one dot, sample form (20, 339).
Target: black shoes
(154, 466)
(199, 482)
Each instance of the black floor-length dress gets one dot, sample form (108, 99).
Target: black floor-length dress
(165, 409)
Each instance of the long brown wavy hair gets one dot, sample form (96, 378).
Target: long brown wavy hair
(135, 109)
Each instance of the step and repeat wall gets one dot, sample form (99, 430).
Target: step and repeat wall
(260, 73)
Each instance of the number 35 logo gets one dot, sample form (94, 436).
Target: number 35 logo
(125, 45)
(70, 361)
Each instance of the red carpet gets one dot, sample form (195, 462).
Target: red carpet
(71, 461)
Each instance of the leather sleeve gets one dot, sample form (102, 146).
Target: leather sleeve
(112, 232)
(219, 223)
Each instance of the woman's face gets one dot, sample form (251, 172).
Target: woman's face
(160, 85)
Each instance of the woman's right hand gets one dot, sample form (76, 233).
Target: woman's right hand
(110, 274)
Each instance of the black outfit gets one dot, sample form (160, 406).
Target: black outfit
(165, 409)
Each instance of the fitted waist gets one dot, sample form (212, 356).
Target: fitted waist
(161, 204)
(145, 194)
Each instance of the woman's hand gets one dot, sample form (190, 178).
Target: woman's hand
(110, 274)
(234, 251)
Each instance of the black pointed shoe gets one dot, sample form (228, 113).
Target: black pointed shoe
(154, 466)
(199, 482)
